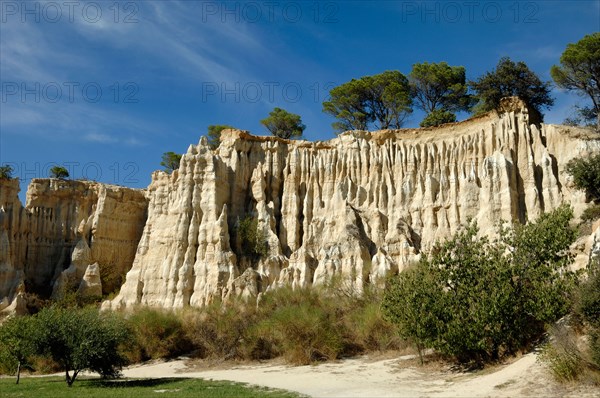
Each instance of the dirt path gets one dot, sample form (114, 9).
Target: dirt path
(361, 377)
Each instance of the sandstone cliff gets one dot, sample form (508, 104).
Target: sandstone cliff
(68, 231)
(358, 207)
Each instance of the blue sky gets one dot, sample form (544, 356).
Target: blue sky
(106, 87)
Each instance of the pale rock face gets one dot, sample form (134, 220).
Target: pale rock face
(66, 226)
(91, 285)
(358, 208)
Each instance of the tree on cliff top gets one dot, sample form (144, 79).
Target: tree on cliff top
(439, 87)
(170, 161)
(284, 124)
(6, 172)
(511, 79)
(383, 99)
(579, 70)
(214, 134)
(59, 172)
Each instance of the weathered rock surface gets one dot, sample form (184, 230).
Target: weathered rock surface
(64, 227)
(358, 207)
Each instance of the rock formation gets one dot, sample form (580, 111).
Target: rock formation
(357, 208)
(64, 228)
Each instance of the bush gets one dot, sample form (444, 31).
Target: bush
(252, 241)
(562, 356)
(586, 175)
(438, 117)
(477, 300)
(156, 334)
(591, 214)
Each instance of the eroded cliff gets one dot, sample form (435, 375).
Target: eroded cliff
(68, 232)
(358, 207)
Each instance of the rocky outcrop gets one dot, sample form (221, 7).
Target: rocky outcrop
(48, 245)
(355, 208)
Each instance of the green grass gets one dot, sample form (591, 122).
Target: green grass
(50, 387)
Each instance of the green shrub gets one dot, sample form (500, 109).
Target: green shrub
(586, 174)
(477, 300)
(156, 334)
(563, 359)
(252, 241)
(591, 214)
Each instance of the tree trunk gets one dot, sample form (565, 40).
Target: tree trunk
(68, 378)
(18, 372)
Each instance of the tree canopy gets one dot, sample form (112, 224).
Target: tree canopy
(214, 134)
(16, 342)
(284, 124)
(6, 172)
(579, 70)
(170, 161)
(586, 175)
(59, 172)
(80, 340)
(381, 100)
(439, 87)
(511, 79)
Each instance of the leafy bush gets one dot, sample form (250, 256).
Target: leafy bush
(156, 334)
(586, 174)
(17, 345)
(252, 241)
(437, 117)
(591, 214)
(478, 300)
(6, 172)
(59, 172)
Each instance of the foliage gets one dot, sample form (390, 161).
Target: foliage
(439, 87)
(80, 339)
(6, 172)
(252, 240)
(17, 345)
(284, 124)
(156, 334)
(579, 70)
(511, 79)
(214, 134)
(170, 161)
(59, 172)
(589, 295)
(383, 99)
(438, 117)
(583, 116)
(49, 387)
(586, 174)
(478, 300)
(591, 213)
(562, 356)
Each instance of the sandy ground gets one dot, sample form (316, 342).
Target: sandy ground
(362, 377)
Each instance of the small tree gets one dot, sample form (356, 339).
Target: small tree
(17, 343)
(439, 87)
(586, 175)
(284, 124)
(253, 243)
(170, 161)
(511, 79)
(438, 117)
(383, 99)
(6, 172)
(81, 339)
(579, 70)
(59, 172)
(214, 134)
